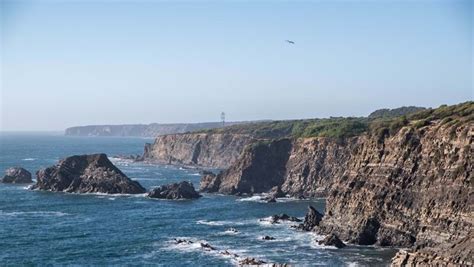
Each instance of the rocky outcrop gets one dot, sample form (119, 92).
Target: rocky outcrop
(197, 149)
(311, 220)
(182, 190)
(332, 240)
(459, 253)
(17, 175)
(261, 167)
(86, 174)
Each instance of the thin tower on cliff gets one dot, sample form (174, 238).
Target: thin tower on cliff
(223, 118)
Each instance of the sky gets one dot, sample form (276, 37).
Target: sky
(68, 63)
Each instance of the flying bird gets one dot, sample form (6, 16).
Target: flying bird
(289, 41)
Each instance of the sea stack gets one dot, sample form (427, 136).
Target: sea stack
(86, 174)
(17, 175)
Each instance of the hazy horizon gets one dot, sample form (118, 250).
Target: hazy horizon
(76, 63)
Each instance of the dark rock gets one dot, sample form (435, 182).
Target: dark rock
(206, 246)
(273, 194)
(312, 219)
(283, 217)
(233, 230)
(332, 240)
(17, 175)
(251, 261)
(227, 253)
(182, 190)
(86, 174)
(183, 241)
(268, 238)
(130, 157)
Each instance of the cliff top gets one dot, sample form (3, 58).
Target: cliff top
(343, 127)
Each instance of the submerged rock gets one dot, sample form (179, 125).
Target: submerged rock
(86, 174)
(332, 240)
(267, 237)
(273, 194)
(182, 190)
(17, 175)
(312, 219)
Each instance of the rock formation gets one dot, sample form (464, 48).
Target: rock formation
(311, 220)
(182, 190)
(86, 174)
(261, 167)
(199, 149)
(17, 175)
(332, 240)
(406, 185)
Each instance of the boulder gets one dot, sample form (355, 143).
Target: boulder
(17, 175)
(182, 190)
(86, 174)
(273, 194)
(332, 240)
(312, 219)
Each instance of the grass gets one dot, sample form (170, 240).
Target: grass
(345, 127)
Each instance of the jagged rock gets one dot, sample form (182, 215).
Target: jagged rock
(86, 174)
(332, 240)
(273, 194)
(17, 175)
(182, 190)
(251, 261)
(130, 157)
(268, 238)
(459, 253)
(283, 217)
(311, 219)
(227, 253)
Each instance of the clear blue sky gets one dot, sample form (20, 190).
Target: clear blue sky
(112, 62)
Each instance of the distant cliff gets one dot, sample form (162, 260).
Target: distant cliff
(142, 130)
(396, 112)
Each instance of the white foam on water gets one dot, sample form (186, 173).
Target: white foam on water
(29, 159)
(213, 223)
(34, 213)
(256, 198)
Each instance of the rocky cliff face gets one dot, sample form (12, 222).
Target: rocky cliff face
(199, 149)
(302, 167)
(412, 188)
(261, 167)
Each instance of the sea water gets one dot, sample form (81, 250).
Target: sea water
(50, 228)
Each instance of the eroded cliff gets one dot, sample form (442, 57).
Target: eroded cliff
(407, 184)
(214, 150)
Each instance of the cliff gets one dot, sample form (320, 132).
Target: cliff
(404, 182)
(197, 149)
(143, 130)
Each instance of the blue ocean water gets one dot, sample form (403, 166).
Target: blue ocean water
(47, 228)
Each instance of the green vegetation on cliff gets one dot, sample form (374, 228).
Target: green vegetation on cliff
(340, 127)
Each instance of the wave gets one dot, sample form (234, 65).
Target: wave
(33, 213)
(256, 198)
(29, 159)
(213, 223)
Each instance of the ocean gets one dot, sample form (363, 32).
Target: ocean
(49, 228)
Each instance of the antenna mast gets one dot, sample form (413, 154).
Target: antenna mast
(223, 118)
